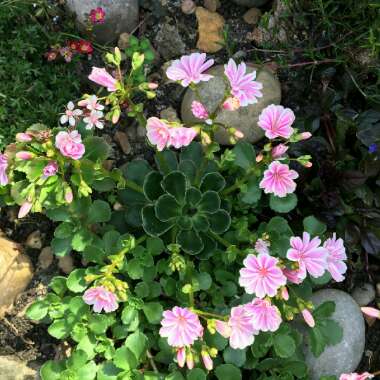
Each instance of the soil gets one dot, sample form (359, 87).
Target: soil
(30, 341)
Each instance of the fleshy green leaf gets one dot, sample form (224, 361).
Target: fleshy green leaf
(193, 196)
(196, 374)
(219, 221)
(76, 282)
(212, 181)
(245, 156)
(227, 372)
(152, 185)
(37, 310)
(284, 345)
(236, 357)
(283, 205)
(210, 202)
(99, 212)
(153, 312)
(96, 148)
(313, 226)
(167, 208)
(190, 241)
(152, 225)
(175, 184)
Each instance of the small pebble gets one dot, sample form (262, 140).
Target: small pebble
(211, 5)
(46, 257)
(188, 7)
(364, 294)
(66, 264)
(252, 16)
(123, 41)
(34, 240)
(122, 139)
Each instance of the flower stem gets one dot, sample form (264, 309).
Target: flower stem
(134, 186)
(212, 315)
(220, 239)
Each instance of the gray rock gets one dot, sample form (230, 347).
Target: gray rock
(346, 355)
(121, 16)
(169, 43)
(250, 3)
(364, 294)
(244, 119)
(14, 369)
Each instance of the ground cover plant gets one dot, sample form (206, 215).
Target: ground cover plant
(193, 264)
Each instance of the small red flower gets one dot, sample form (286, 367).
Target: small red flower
(51, 55)
(73, 45)
(97, 15)
(85, 47)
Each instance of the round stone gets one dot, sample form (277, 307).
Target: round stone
(120, 16)
(364, 294)
(250, 3)
(244, 119)
(346, 355)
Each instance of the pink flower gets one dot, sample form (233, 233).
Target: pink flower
(279, 150)
(181, 356)
(356, 376)
(50, 169)
(101, 299)
(93, 120)
(261, 275)
(3, 169)
(24, 209)
(158, 133)
(23, 137)
(70, 144)
(102, 78)
(261, 246)
(24, 155)
(181, 136)
(97, 15)
(308, 317)
(371, 312)
(336, 256)
(189, 69)
(276, 121)
(66, 53)
(199, 110)
(242, 330)
(181, 326)
(91, 103)
(294, 276)
(207, 361)
(278, 179)
(231, 104)
(243, 85)
(311, 257)
(223, 328)
(266, 317)
(70, 114)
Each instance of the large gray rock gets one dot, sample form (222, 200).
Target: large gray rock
(168, 42)
(346, 355)
(250, 3)
(364, 294)
(14, 369)
(121, 16)
(244, 119)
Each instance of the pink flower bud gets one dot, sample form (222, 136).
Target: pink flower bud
(231, 104)
(24, 155)
(371, 312)
(223, 329)
(199, 110)
(23, 137)
(181, 356)
(308, 317)
(239, 134)
(207, 361)
(24, 209)
(101, 77)
(190, 360)
(259, 157)
(284, 293)
(305, 135)
(152, 86)
(69, 195)
(307, 164)
(279, 150)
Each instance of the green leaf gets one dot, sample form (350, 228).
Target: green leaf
(236, 357)
(37, 310)
(58, 284)
(175, 184)
(96, 149)
(94, 254)
(153, 312)
(61, 247)
(81, 239)
(129, 315)
(137, 344)
(135, 269)
(204, 280)
(212, 181)
(59, 329)
(108, 371)
(284, 345)
(313, 226)
(166, 161)
(99, 212)
(88, 344)
(196, 374)
(104, 185)
(152, 225)
(210, 202)
(199, 222)
(59, 214)
(325, 310)
(317, 341)
(332, 331)
(64, 230)
(125, 359)
(297, 368)
(219, 221)
(98, 323)
(167, 208)
(152, 185)
(52, 370)
(252, 194)
(245, 156)
(136, 171)
(193, 196)
(76, 282)
(283, 205)
(174, 376)
(188, 168)
(194, 153)
(227, 372)
(190, 242)
(155, 246)
(77, 359)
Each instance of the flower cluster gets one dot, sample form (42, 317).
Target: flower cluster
(68, 51)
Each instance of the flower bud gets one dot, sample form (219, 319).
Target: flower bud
(152, 86)
(24, 209)
(284, 293)
(259, 157)
(305, 135)
(181, 357)
(279, 150)
(223, 329)
(190, 360)
(239, 134)
(24, 155)
(207, 361)
(231, 104)
(23, 137)
(371, 312)
(308, 317)
(213, 352)
(69, 195)
(308, 164)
